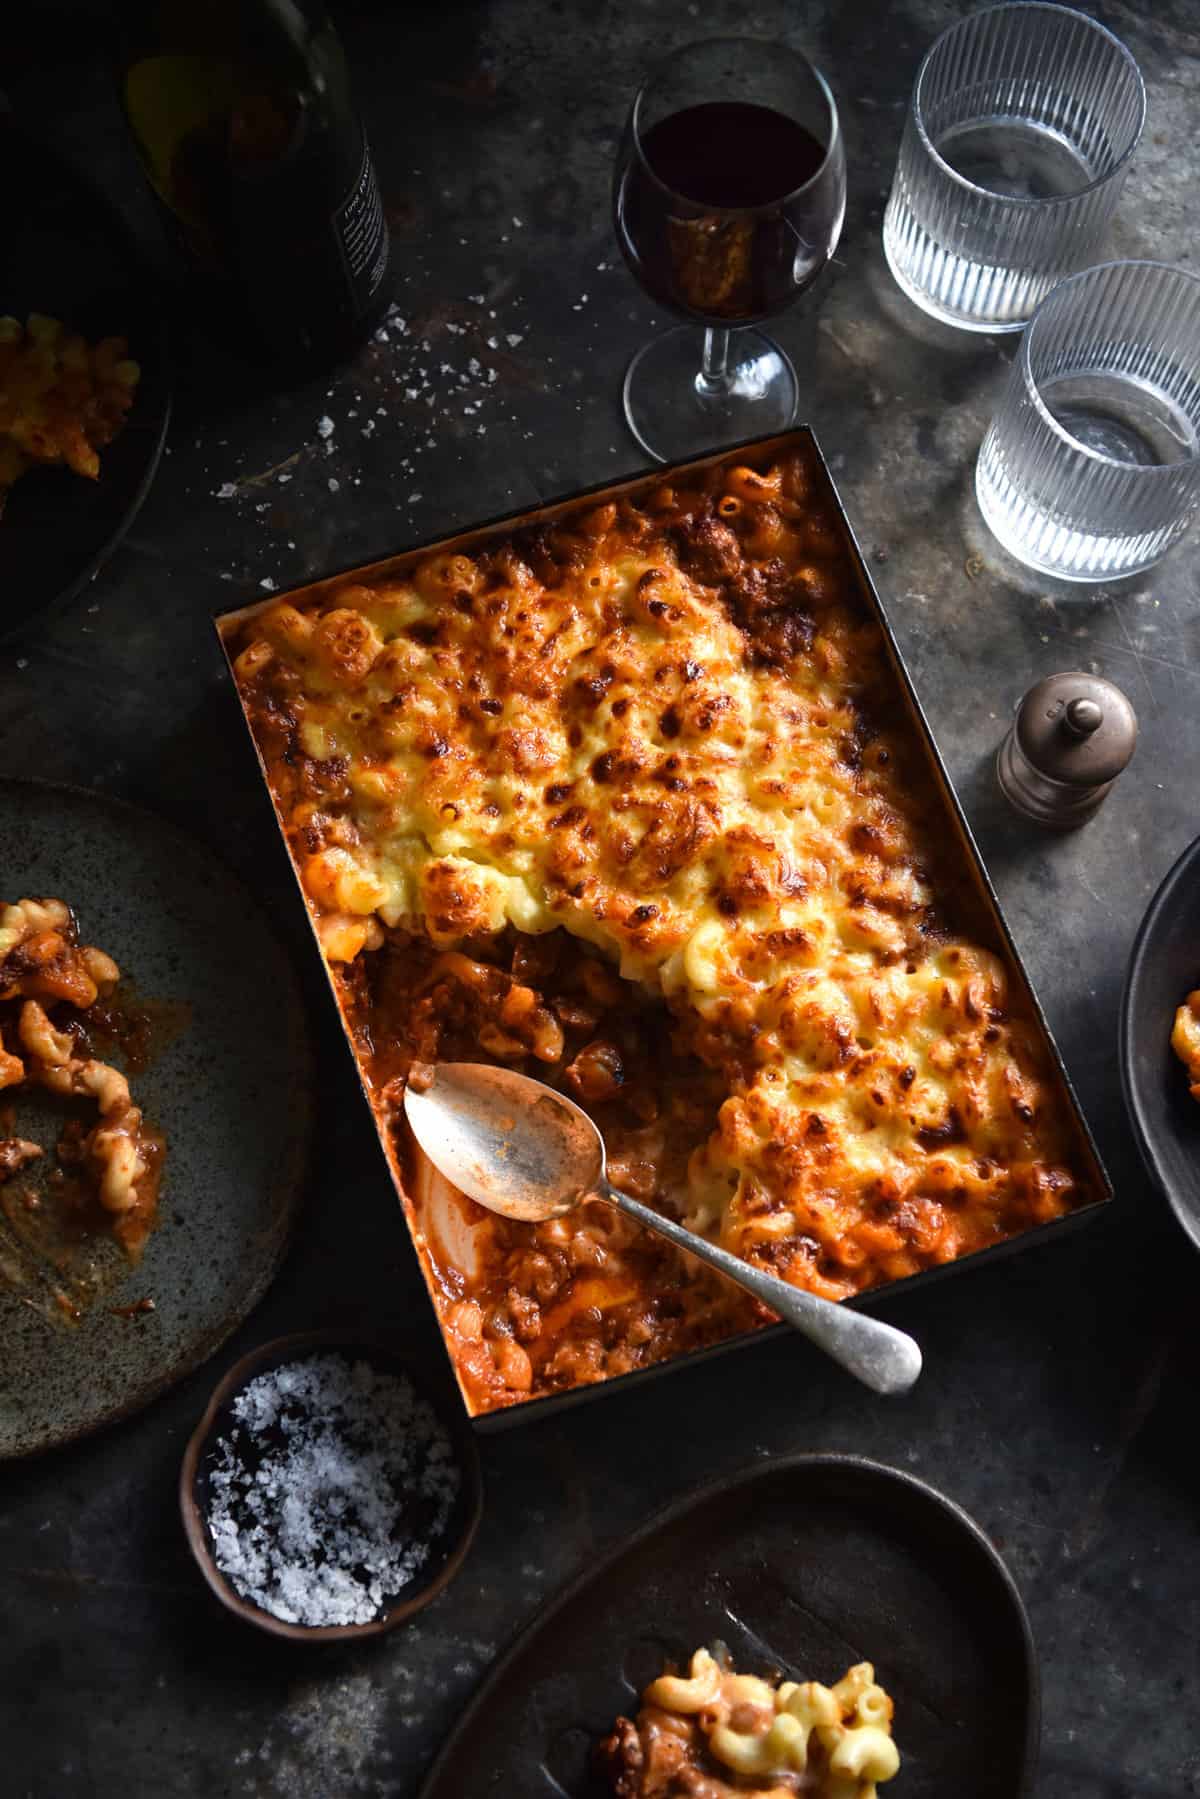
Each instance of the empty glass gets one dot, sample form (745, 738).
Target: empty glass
(1091, 468)
(1018, 138)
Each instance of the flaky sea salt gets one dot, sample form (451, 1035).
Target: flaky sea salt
(331, 1491)
(325, 426)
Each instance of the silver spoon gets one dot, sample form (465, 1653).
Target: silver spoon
(527, 1152)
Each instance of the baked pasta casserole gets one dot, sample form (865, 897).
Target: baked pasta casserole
(53, 990)
(715, 1734)
(626, 801)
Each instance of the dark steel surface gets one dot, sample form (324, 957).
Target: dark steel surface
(1059, 1383)
(796, 1567)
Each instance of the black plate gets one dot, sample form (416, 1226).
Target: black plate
(66, 252)
(806, 1565)
(1164, 968)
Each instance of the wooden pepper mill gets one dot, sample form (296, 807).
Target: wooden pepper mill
(1071, 737)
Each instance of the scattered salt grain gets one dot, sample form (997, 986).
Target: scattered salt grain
(331, 1491)
(413, 498)
(227, 490)
(513, 338)
(267, 583)
(325, 426)
(334, 484)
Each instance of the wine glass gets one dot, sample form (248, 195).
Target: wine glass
(728, 197)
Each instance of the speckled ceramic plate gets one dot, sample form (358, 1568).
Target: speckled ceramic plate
(802, 1566)
(229, 1085)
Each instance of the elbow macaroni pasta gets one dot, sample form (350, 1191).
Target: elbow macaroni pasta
(1185, 1040)
(663, 735)
(45, 970)
(839, 1738)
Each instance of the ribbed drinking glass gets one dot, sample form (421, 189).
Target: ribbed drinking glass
(1090, 470)
(1018, 138)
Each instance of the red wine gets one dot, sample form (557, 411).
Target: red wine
(760, 245)
(731, 154)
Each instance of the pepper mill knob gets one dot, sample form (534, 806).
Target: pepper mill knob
(1072, 736)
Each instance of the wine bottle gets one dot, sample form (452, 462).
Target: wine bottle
(246, 127)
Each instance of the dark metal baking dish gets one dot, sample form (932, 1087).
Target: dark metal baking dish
(986, 917)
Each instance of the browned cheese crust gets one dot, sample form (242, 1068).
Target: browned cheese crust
(626, 802)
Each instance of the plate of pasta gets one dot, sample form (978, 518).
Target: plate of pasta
(821, 1625)
(1160, 1039)
(154, 1111)
(85, 381)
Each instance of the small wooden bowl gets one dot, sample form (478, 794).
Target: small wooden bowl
(448, 1554)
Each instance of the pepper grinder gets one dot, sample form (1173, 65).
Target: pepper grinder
(1071, 737)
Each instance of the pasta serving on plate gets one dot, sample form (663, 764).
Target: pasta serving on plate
(49, 981)
(1185, 1040)
(717, 1734)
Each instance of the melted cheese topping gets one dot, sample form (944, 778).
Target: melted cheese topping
(657, 727)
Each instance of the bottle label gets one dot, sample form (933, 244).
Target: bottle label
(362, 233)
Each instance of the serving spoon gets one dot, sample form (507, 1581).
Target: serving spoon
(529, 1153)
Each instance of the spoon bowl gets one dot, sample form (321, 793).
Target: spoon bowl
(527, 1152)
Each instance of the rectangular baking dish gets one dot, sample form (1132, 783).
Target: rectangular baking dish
(985, 905)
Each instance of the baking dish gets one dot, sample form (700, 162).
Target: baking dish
(975, 899)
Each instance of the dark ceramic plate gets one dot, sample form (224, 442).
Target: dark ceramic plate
(230, 1086)
(1164, 968)
(803, 1566)
(447, 1552)
(66, 252)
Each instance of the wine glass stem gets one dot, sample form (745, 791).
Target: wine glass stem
(714, 378)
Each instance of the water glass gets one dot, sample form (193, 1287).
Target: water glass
(1018, 138)
(1090, 470)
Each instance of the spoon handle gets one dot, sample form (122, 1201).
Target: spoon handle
(883, 1358)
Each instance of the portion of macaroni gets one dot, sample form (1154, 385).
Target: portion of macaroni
(625, 800)
(1185, 1040)
(61, 399)
(717, 1734)
(48, 982)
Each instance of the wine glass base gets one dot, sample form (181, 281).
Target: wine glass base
(673, 418)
